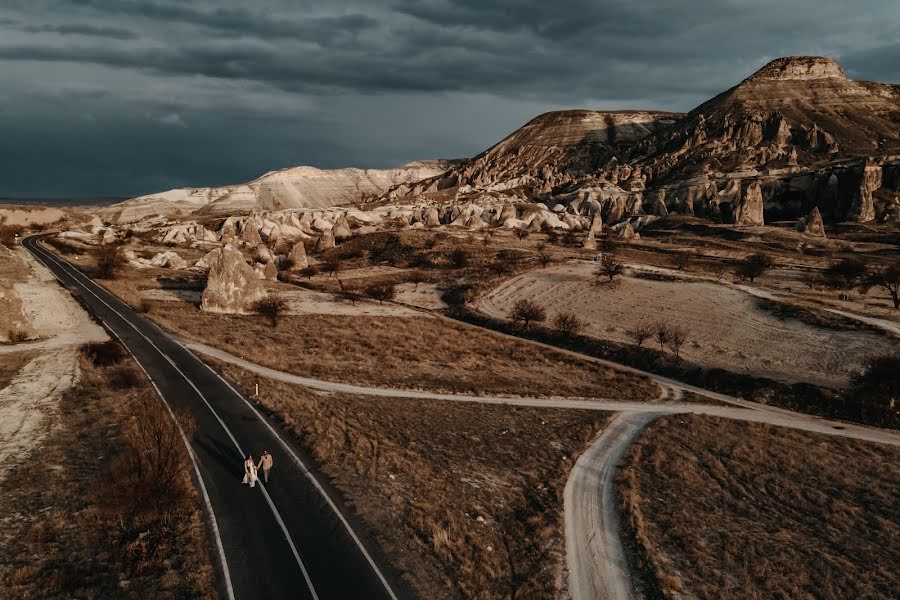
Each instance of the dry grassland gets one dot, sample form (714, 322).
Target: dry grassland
(465, 499)
(723, 509)
(402, 352)
(65, 532)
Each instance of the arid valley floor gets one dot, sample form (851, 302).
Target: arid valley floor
(616, 355)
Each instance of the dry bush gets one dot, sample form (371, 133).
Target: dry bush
(522, 233)
(416, 277)
(545, 259)
(350, 295)
(380, 292)
(525, 312)
(609, 267)
(717, 508)
(459, 258)
(109, 260)
(753, 266)
(641, 333)
(331, 265)
(879, 382)
(845, 274)
(8, 235)
(681, 261)
(309, 272)
(17, 335)
(567, 324)
(271, 307)
(104, 354)
(123, 377)
(152, 470)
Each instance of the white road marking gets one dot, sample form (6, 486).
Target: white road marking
(271, 504)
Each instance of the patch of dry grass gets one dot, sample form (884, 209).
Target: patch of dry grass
(465, 499)
(11, 363)
(13, 323)
(64, 533)
(403, 352)
(723, 509)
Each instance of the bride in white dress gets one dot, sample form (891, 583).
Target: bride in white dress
(250, 471)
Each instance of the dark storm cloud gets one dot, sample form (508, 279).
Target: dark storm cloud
(82, 29)
(232, 87)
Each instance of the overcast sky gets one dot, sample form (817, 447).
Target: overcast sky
(133, 96)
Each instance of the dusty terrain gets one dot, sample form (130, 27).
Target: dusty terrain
(727, 328)
(415, 352)
(63, 533)
(717, 508)
(465, 499)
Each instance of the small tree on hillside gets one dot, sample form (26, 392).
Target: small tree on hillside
(845, 274)
(459, 258)
(350, 295)
(109, 260)
(381, 292)
(681, 261)
(677, 338)
(271, 307)
(609, 267)
(526, 312)
(545, 259)
(416, 277)
(753, 266)
(332, 265)
(719, 270)
(567, 324)
(886, 278)
(661, 333)
(522, 233)
(310, 271)
(640, 333)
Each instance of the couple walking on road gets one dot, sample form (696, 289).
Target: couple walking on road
(251, 468)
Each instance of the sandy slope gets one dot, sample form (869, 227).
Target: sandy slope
(726, 328)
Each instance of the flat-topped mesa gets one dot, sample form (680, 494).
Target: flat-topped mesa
(797, 68)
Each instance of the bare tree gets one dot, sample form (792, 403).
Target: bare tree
(271, 307)
(526, 311)
(332, 265)
(753, 266)
(810, 279)
(545, 259)
(350, 295)
(381, 292)
(681, 261)
(609, 267)
(567, 324)
(310, 271)
(640, 333)
(109, 260)
(500, 267)
(719, 270)
(845, 274)
(677, 337)
(522, 233)
(661, 333)
(886, 278)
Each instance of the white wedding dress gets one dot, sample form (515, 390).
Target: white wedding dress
(250, 473)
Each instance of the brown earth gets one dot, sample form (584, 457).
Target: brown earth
(62, 534)
(718, 508)
(465, 499)
(414, 353)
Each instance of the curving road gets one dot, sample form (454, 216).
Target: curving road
(291, 538)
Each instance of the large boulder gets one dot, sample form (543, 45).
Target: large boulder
(812, 224)
(326, 241)
(168, 260)
(298, 256)
(430, 217)
(232, 285)
(263, 254)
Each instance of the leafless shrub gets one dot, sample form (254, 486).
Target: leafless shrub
(500, 267)
(719, 270)
(416, 277)
(332, 265)
(271, 307)
(351, 296)
(753, 266)
(677, 338)
(640, 333)
(545, 259)
(109, 260)
(567, 324)
(16, 336)
(381, 292)
(525, 312)
(309, 272)
(522, 233)
(123, 377)
(811, 279)
(662, 335)
(609, 267)
(104, 354)
(681, 261)
(151, 472)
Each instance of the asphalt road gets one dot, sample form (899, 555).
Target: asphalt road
(291, 538)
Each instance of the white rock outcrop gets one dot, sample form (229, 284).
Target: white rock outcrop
(232, 285)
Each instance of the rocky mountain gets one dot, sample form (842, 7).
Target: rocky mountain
(549, 151)
(297, 187)
(796, 135)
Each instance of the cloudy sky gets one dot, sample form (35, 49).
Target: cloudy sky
(132, 96)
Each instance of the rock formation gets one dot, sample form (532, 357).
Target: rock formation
(812, 224)
(298, 257)
(232, 285)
